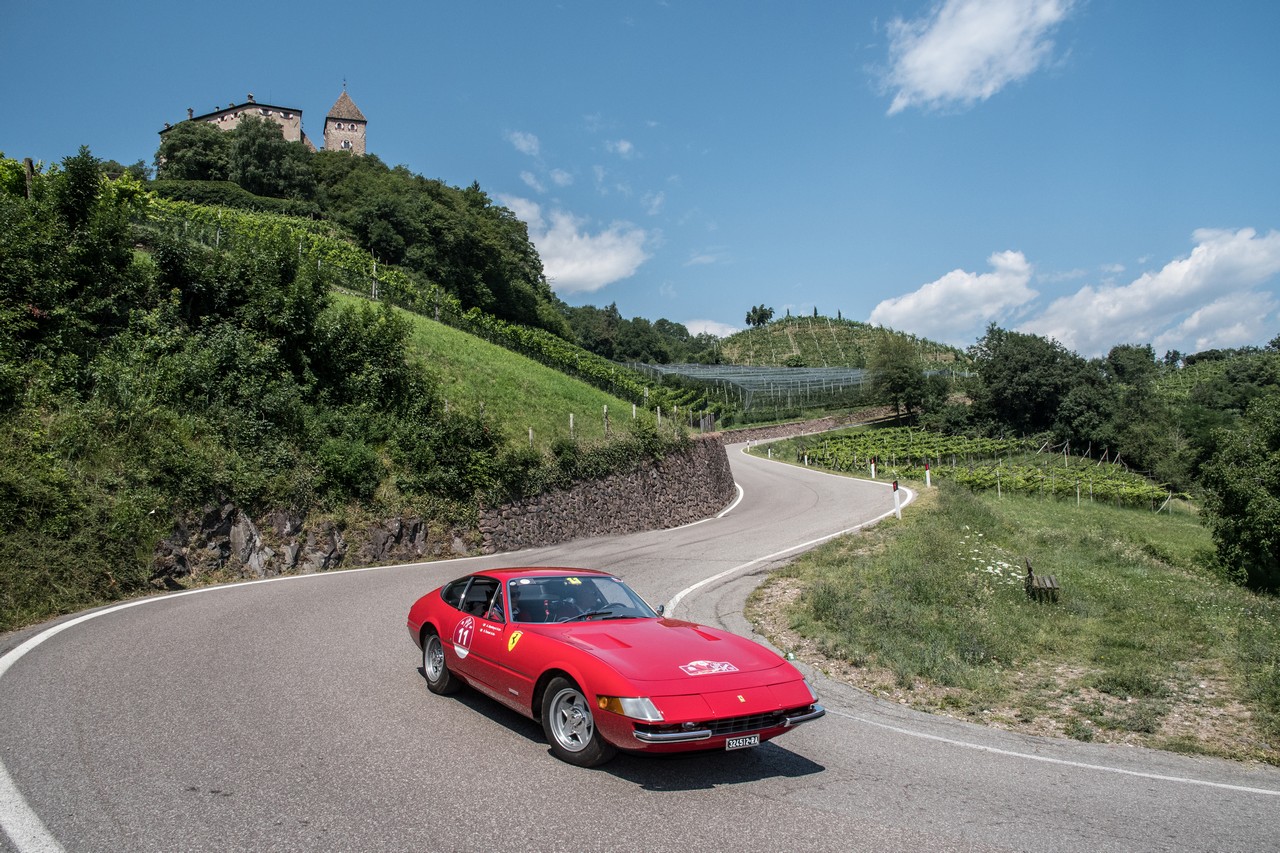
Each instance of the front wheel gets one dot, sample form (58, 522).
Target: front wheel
(570, 728)
(439, 678)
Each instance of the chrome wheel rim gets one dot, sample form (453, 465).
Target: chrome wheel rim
(571, 722)
(433, 659)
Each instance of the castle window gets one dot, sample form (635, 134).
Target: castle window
(346, 144)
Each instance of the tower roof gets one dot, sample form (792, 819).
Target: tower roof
(345, 109)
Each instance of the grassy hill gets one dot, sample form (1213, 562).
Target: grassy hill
(517, 392)
(1147, 644)
(820, 342)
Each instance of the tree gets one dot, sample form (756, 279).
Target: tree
(1243, 501)
(263, 162)
(194, 151)
(897, 372)
(1023, 379)
(139, 170)
(759, 315)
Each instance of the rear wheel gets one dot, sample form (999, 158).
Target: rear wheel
(570, 727)
(439, 679)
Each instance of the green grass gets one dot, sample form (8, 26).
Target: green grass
(519, 392)
(1145, 645)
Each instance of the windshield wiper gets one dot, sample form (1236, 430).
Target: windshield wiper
(587, 615)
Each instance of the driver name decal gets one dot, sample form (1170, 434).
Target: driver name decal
(707, 667)
(462, 636)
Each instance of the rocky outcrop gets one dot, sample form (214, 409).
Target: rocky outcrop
(680, 488)
(225, 541)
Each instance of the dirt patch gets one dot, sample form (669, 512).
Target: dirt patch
(1201, 711)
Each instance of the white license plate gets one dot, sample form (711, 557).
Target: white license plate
(742, 742)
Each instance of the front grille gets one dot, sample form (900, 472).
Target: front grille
(749, 723)
(727, 726)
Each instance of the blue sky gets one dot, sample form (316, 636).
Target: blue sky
(1096, 171)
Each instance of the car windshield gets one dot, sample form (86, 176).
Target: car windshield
(574, 598)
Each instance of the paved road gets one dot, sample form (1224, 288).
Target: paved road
(291, 715)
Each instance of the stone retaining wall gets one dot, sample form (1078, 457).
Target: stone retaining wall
(679, 489)
(676, 490)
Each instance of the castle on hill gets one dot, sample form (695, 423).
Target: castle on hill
(345, 127)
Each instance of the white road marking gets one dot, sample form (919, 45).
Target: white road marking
(679, 596)
(1102, 768)
(953, 742)
(17, 819)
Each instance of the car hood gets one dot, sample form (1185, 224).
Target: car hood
(669, 650)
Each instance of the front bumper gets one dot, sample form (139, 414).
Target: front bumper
(692, 732)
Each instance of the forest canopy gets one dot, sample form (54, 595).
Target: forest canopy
(457, 238)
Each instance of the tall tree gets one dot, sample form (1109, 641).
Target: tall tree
(194, 151)
(263, 162)
(1023, 378)
(897, 372)
(1243, 483)
(759, 315)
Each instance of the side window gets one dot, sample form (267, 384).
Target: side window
(478, 600)
(452, 593)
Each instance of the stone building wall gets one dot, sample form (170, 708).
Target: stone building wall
(342, 135)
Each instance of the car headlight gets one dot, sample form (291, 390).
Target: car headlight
(637, 708)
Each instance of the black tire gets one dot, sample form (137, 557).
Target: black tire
(439, 679)
(570, 728)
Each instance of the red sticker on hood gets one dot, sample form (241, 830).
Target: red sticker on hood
(707, 667)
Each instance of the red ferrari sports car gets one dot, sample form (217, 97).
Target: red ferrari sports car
(578, 650)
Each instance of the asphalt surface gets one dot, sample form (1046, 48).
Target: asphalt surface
(291, 716)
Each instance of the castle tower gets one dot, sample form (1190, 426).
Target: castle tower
(345, 126)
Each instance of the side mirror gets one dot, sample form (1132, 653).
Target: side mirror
(662, 608)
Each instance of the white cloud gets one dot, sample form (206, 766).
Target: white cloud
(525, 143)
(967, 50)
(1205, 300)
(1238, 319)
(1215, 297)
(532, 182)
(952, 308)
(574, 260)
(720, 330)
(561, 178)
(653, 202)
(707, 257)
(621, 147)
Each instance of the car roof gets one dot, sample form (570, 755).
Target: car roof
(513, 573)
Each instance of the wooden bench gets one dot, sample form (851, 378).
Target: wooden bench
(1041, 587)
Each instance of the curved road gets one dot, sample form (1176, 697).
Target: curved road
(291, 715)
